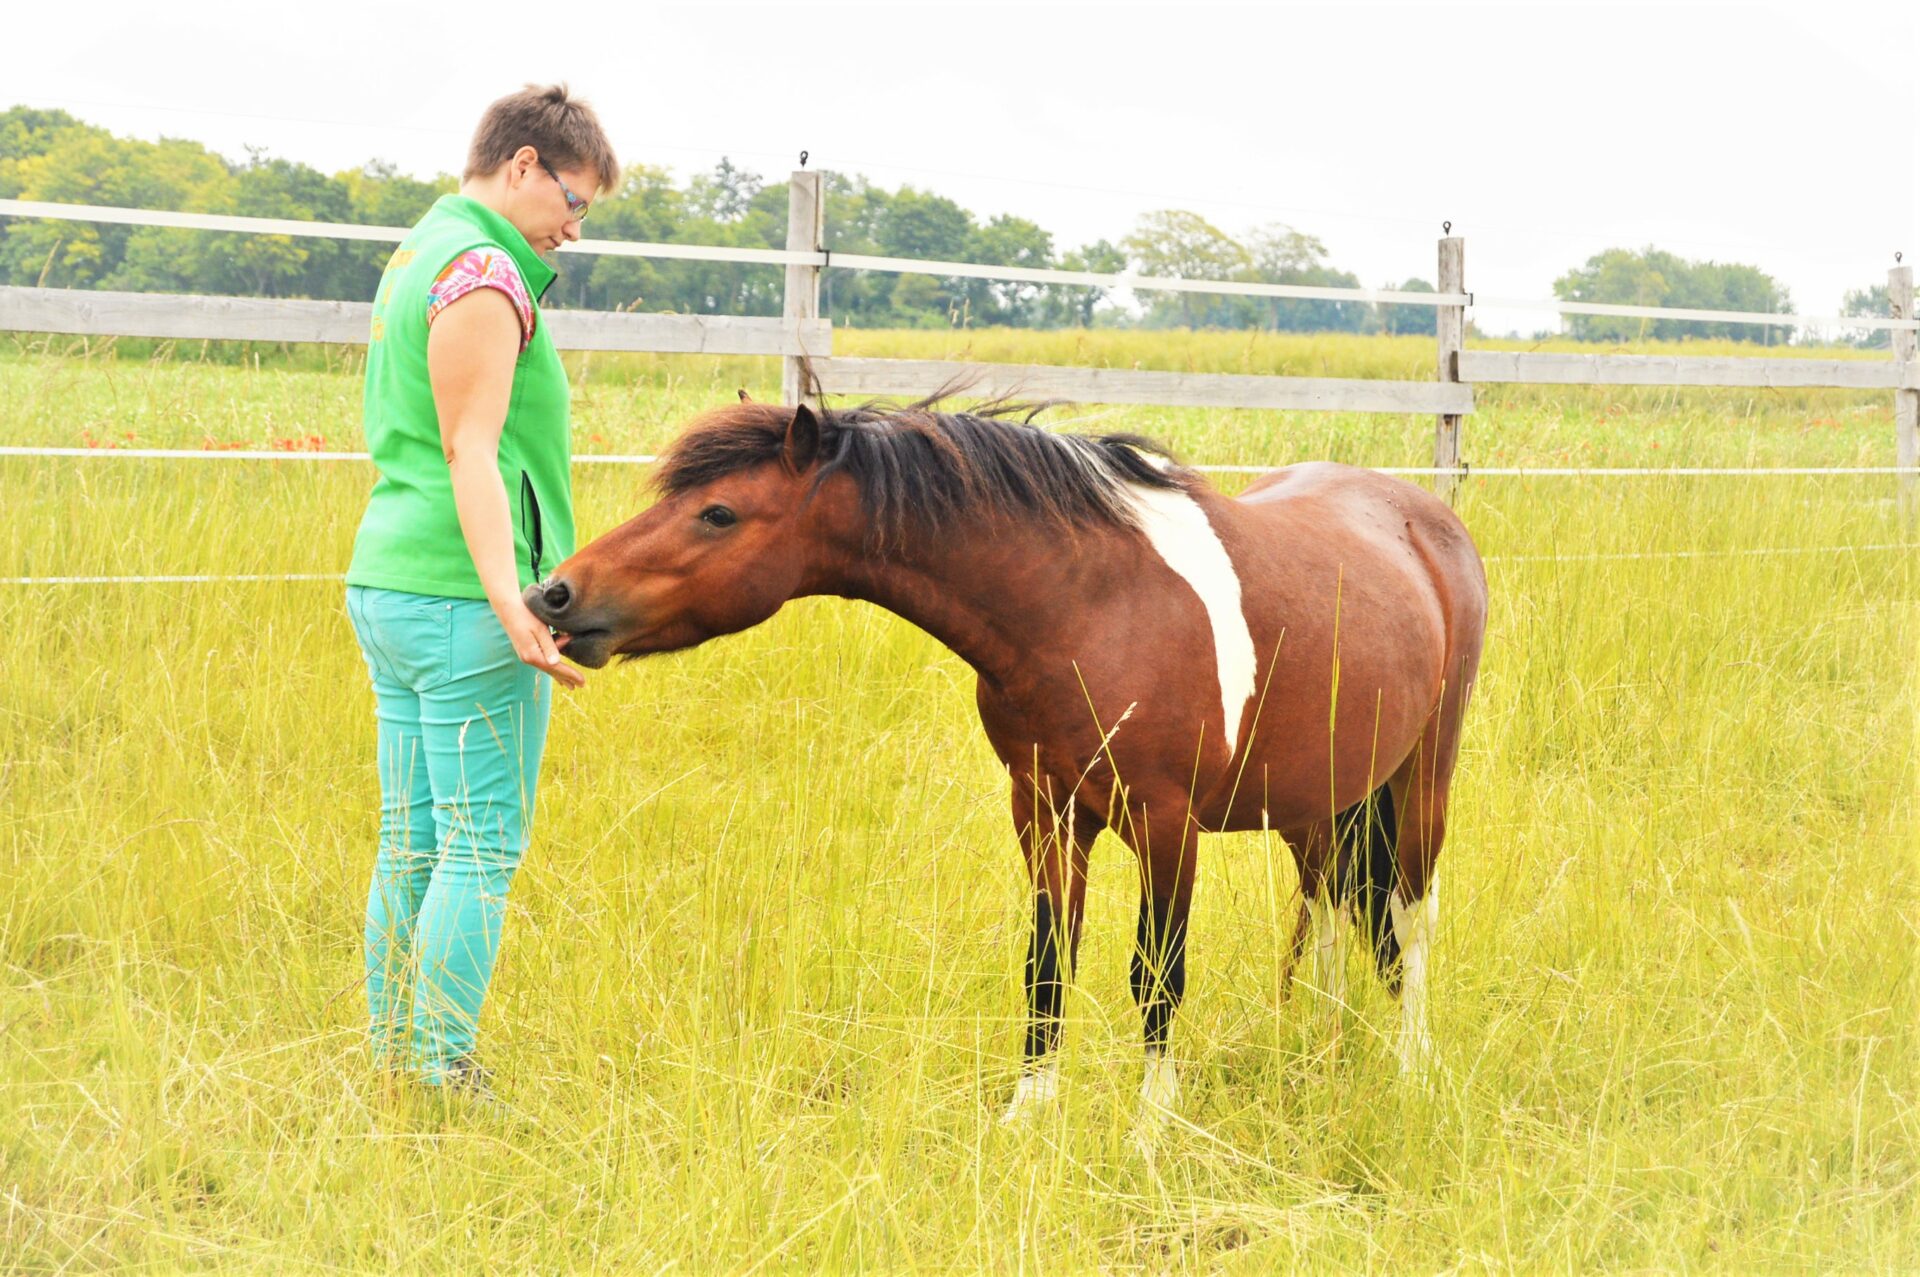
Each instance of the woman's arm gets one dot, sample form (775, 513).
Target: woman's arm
(471, 350)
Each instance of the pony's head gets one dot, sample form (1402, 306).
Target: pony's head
(720, 552)
(761, 503)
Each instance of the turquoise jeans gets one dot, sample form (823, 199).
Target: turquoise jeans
(462, 723)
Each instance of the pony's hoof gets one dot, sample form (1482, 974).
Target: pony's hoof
(1149, 1129)
(1417, 1062)
(1159, 1090)
(1159, 1084)
(1038, 1090)
(1021, 1111)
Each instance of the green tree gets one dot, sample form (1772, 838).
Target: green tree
(85, 165)
(1871, 302)
(1654, 277)
(646, 208)
(378, 194)
(1282, 255)
(855, 211)
(51, 156)
(1618, 277)
(285, 265)
(1073, 305)
(26, 132)
(1402, 320)
(724, 195)
(1179, 243)
(1725, 286)
(1007, 241)
(923, 225)
(867, 219)
(929, 227)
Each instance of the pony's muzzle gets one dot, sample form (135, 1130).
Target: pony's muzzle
(549, 600)
(557, 604)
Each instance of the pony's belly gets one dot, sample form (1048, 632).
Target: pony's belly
(1278, 811)
(1279, 785)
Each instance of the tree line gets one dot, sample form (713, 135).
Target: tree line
(50, 155)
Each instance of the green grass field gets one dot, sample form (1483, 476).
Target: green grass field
(760, 996)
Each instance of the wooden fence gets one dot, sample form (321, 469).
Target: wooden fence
(804, 339)
(99, 313)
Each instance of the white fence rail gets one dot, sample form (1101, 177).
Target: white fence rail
(85, 312)
(1130, 386)
(1664, 370)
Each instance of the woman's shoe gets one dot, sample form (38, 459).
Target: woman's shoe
(465, 1077)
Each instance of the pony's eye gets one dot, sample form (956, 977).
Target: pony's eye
(718, 516)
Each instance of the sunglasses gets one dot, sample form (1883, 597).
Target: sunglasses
(577, 208)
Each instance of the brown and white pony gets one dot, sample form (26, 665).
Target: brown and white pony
(1153, 657)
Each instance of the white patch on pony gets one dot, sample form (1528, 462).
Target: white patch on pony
(1038, 1089)
(1177, 529)
(1329, 972)
(1414, 926)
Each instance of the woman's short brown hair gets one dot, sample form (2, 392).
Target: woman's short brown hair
(546, 117)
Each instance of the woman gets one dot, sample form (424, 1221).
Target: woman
(466, 418)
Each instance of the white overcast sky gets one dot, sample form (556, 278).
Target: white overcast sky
(1786, 135)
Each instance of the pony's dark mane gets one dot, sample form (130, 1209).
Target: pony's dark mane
(919, 467)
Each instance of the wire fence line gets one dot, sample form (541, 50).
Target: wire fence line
(189, 579)
(1623, 556)
(110, 453)
(1605, 472)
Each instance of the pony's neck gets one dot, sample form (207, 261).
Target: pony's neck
(994, 592)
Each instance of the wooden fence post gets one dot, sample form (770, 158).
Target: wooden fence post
(1906, 403)
(806, 233)
(1452, 331)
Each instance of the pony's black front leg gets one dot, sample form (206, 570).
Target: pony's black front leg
(1046, 989)
(1159, 978)
(1057, 862)
(1050, 952)
(1159, 967)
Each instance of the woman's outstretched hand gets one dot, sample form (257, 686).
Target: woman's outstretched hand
(534, 644)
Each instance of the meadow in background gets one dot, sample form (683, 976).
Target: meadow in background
(760, 998)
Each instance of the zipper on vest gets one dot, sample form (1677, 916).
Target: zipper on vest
(530, 520)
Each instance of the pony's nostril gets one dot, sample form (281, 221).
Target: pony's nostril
(556, 596)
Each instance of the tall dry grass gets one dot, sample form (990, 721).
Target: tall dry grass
(760, 994)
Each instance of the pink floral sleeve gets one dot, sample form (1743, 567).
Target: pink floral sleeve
(483, 268)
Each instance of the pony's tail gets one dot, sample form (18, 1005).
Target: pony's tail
(1367, 836)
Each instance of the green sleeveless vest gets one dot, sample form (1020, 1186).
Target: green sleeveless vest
(410, 538)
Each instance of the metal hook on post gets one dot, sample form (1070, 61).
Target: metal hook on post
(803, 159)
(1446, 228)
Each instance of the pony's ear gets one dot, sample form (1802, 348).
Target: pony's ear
(803, 440)
(744, 396)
